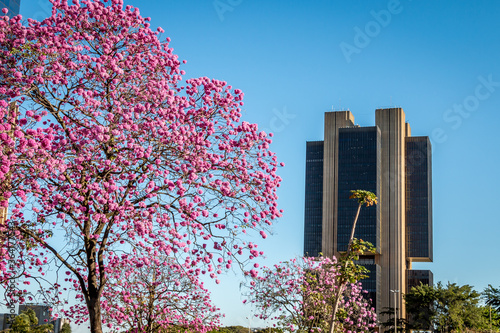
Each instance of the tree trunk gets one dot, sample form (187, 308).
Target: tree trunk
(343, 284)
(335, 308)
(93, 291)
(353, 230)
(94, 307)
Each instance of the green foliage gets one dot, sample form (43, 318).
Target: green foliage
(492, 318)
(230, 329)
(27, 51)
(66, 328)
(241, 329)
(451, 308)
(388, 325)
(458, 307)
(350, 272)
(492, 296)
(27, 322)
(269, 330)
(421, 305)
(366, 198)
(22, 323)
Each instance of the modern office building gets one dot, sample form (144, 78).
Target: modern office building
(43, 314)
(12, 6)
(386, 160)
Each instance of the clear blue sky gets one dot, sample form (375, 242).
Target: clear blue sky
(297, 59)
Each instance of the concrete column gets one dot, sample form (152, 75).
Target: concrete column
(392, 204)
(333, 121)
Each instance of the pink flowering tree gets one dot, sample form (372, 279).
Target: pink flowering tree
(108, 150)
(299, 295)
(163, 296)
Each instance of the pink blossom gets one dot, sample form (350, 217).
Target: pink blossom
(308, 287)
(119, 153)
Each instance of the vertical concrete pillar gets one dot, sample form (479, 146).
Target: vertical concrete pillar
(392, 204)
(333, 121)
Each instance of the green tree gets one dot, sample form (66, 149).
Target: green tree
(492, 296)
(458, 308)
(388, 325)
(66, 328)
(27, 322)
(491, 318)
(445, 308)
(230, 329)
(22, 323)
(421, 306)
(269, 330)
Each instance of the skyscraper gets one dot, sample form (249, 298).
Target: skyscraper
(386, 160)
(11, 5)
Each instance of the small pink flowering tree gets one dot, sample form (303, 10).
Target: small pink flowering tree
(162, 296)
(108, 151)
(299, 296)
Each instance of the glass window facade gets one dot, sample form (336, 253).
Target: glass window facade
(11, 5)
(314, 199)
(372, 283)
(418, 198)
(416, 276)
(356, 155)
(358, 169)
